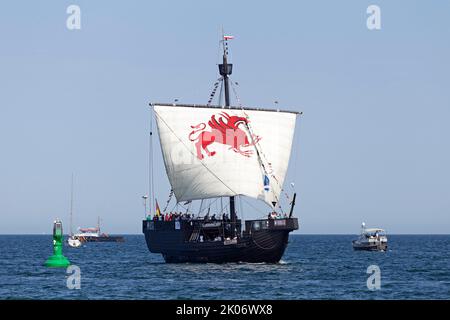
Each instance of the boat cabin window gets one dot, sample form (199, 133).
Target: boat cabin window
(280, 222)
(374, 234)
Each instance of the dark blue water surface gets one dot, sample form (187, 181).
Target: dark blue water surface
(313, 267)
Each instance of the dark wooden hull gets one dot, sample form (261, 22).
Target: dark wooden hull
(256, 244)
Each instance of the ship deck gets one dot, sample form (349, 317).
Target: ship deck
(210, 241)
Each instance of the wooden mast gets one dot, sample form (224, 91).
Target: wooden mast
(225, 70)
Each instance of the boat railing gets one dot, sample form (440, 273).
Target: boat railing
(250, 225)
(181, 224)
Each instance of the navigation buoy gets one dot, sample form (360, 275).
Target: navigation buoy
(57, 260)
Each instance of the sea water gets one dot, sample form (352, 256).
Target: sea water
(313, 267)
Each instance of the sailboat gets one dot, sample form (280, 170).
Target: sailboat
(222, 152)
(72, 241)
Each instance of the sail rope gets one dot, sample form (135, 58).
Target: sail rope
(210, 203)
(235, 94)
(168, 201)
(213, 93)
(202, 208)
(259, 152)
(176, 205)
(189, 207)
(151, 165)
(249, 129)
(219, 98)
(257, 209)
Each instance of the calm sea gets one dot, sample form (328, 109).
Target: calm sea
(313, 267)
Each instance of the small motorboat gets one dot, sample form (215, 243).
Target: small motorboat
(74, 242)
(371, 239)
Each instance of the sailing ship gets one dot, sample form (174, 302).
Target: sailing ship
(216, 152)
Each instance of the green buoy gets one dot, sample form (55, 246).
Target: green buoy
(57, 260)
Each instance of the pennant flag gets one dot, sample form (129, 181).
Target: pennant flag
(158, 212)
(228, 37)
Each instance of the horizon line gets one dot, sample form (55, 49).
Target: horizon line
(294, 234)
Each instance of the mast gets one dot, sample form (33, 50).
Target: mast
(225, 70)
(151, 164)
(71, 207)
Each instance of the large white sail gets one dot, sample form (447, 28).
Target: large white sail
(214, 152)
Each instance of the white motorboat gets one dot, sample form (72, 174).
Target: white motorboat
(371, 239)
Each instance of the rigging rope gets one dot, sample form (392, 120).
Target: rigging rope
(168, 201)
(258, 152)
(150, 159)
(213, 93)
(219, 100)
(264, 213)
(282, 190)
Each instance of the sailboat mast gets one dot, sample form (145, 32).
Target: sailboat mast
(71, 207)
(225, 70)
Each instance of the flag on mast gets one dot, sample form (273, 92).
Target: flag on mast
(228, 37)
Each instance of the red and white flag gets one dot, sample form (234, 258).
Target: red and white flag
(228, 37)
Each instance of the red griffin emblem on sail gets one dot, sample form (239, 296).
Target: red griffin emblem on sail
(225, 131)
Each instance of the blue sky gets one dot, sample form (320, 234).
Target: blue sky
(373, 144)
